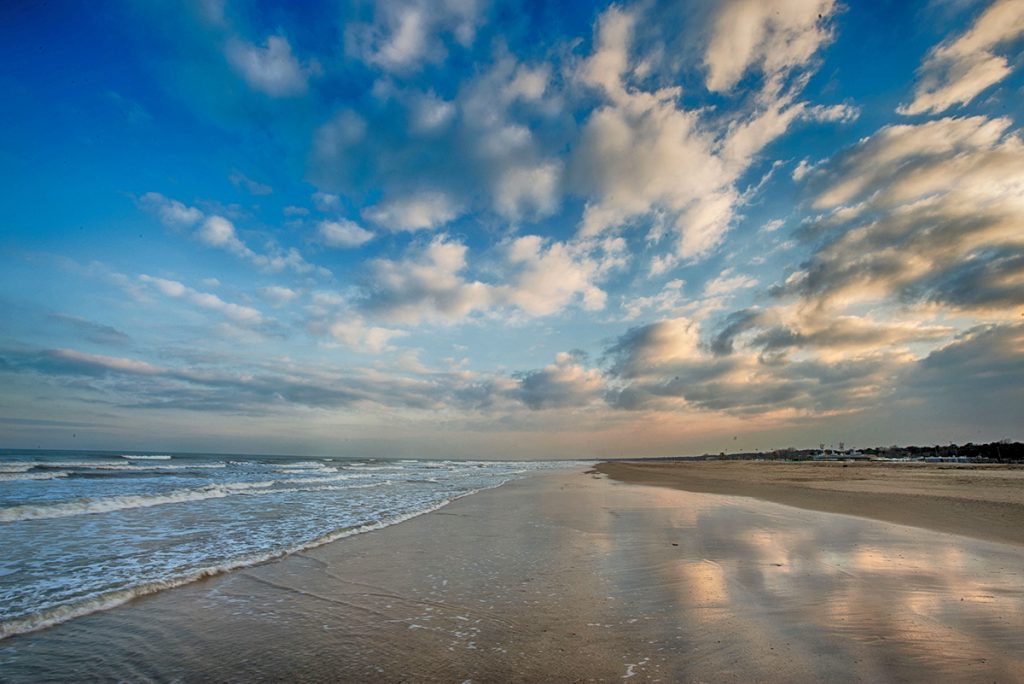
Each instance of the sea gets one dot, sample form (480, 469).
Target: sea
(87, 531)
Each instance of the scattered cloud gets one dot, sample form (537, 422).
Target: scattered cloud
(405, 35)
(357, 335)
(343, 233)
(172, 213)
(98, 333)
(278, 295)
(933, 219)
(546, 276)
(420, 211)
(773, 36)
(565, 383)
(240, 180)
(963, 66)
(219, 232)
(325, 201)
(728, 282)
(271, 69)
(425, 286)
(236, 313)
(637, 152)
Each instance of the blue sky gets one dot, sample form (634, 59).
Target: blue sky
(464, 228)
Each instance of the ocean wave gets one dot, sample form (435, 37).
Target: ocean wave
(109, 504)
(119, 503)
(327, 478)
(49, 475)
(106, 601)
(151, 457)
(110, 465)
(300, 465)
(15, 467)
(132, 467)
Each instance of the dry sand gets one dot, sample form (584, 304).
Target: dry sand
(982, 501)
(574, 577)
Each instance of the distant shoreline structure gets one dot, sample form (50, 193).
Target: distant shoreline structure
(1003, 451)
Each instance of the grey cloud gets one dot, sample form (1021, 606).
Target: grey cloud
(663, 365)
(982, 360)
(262, 388)
(993, 279)
(935, 217)
(736, 323)
(559, 386)
(91, 331)
(240, 180)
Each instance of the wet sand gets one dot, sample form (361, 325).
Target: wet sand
(981, 501)
(575, 577)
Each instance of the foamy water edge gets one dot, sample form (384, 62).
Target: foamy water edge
(55, 616)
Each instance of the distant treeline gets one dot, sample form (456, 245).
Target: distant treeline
(1003, 451)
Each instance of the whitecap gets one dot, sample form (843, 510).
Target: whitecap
(47, 475)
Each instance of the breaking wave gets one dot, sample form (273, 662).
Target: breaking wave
(119, 503)
(50, 475)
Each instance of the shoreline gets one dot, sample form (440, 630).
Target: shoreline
(573, 576)
(127, 595)
(982, 502)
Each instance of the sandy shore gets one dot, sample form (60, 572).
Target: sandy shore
(574, 577)
(981, 501)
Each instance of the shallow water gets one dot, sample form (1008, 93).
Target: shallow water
(86, 531)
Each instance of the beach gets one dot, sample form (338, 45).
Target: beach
(985, 501)
(573, 576)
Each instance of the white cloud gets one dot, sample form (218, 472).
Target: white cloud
(428, 286)
(272, 69)
(801, 169)
(343, 233)
(172, 213)
(419, 211)
(325, 201)
(883, 161)
(278, 295)
(727, 282)
(219, 232)
(428, 113)
(354, 333)
(775, 36)
(610, 61)
(669, 300)
(528, 83)
(663, 263)
(242, 315)
(547, 276)
(407, 34)
(528, 191)
(959, 69)
(644, 154)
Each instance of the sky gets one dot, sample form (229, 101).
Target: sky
(473, 229)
